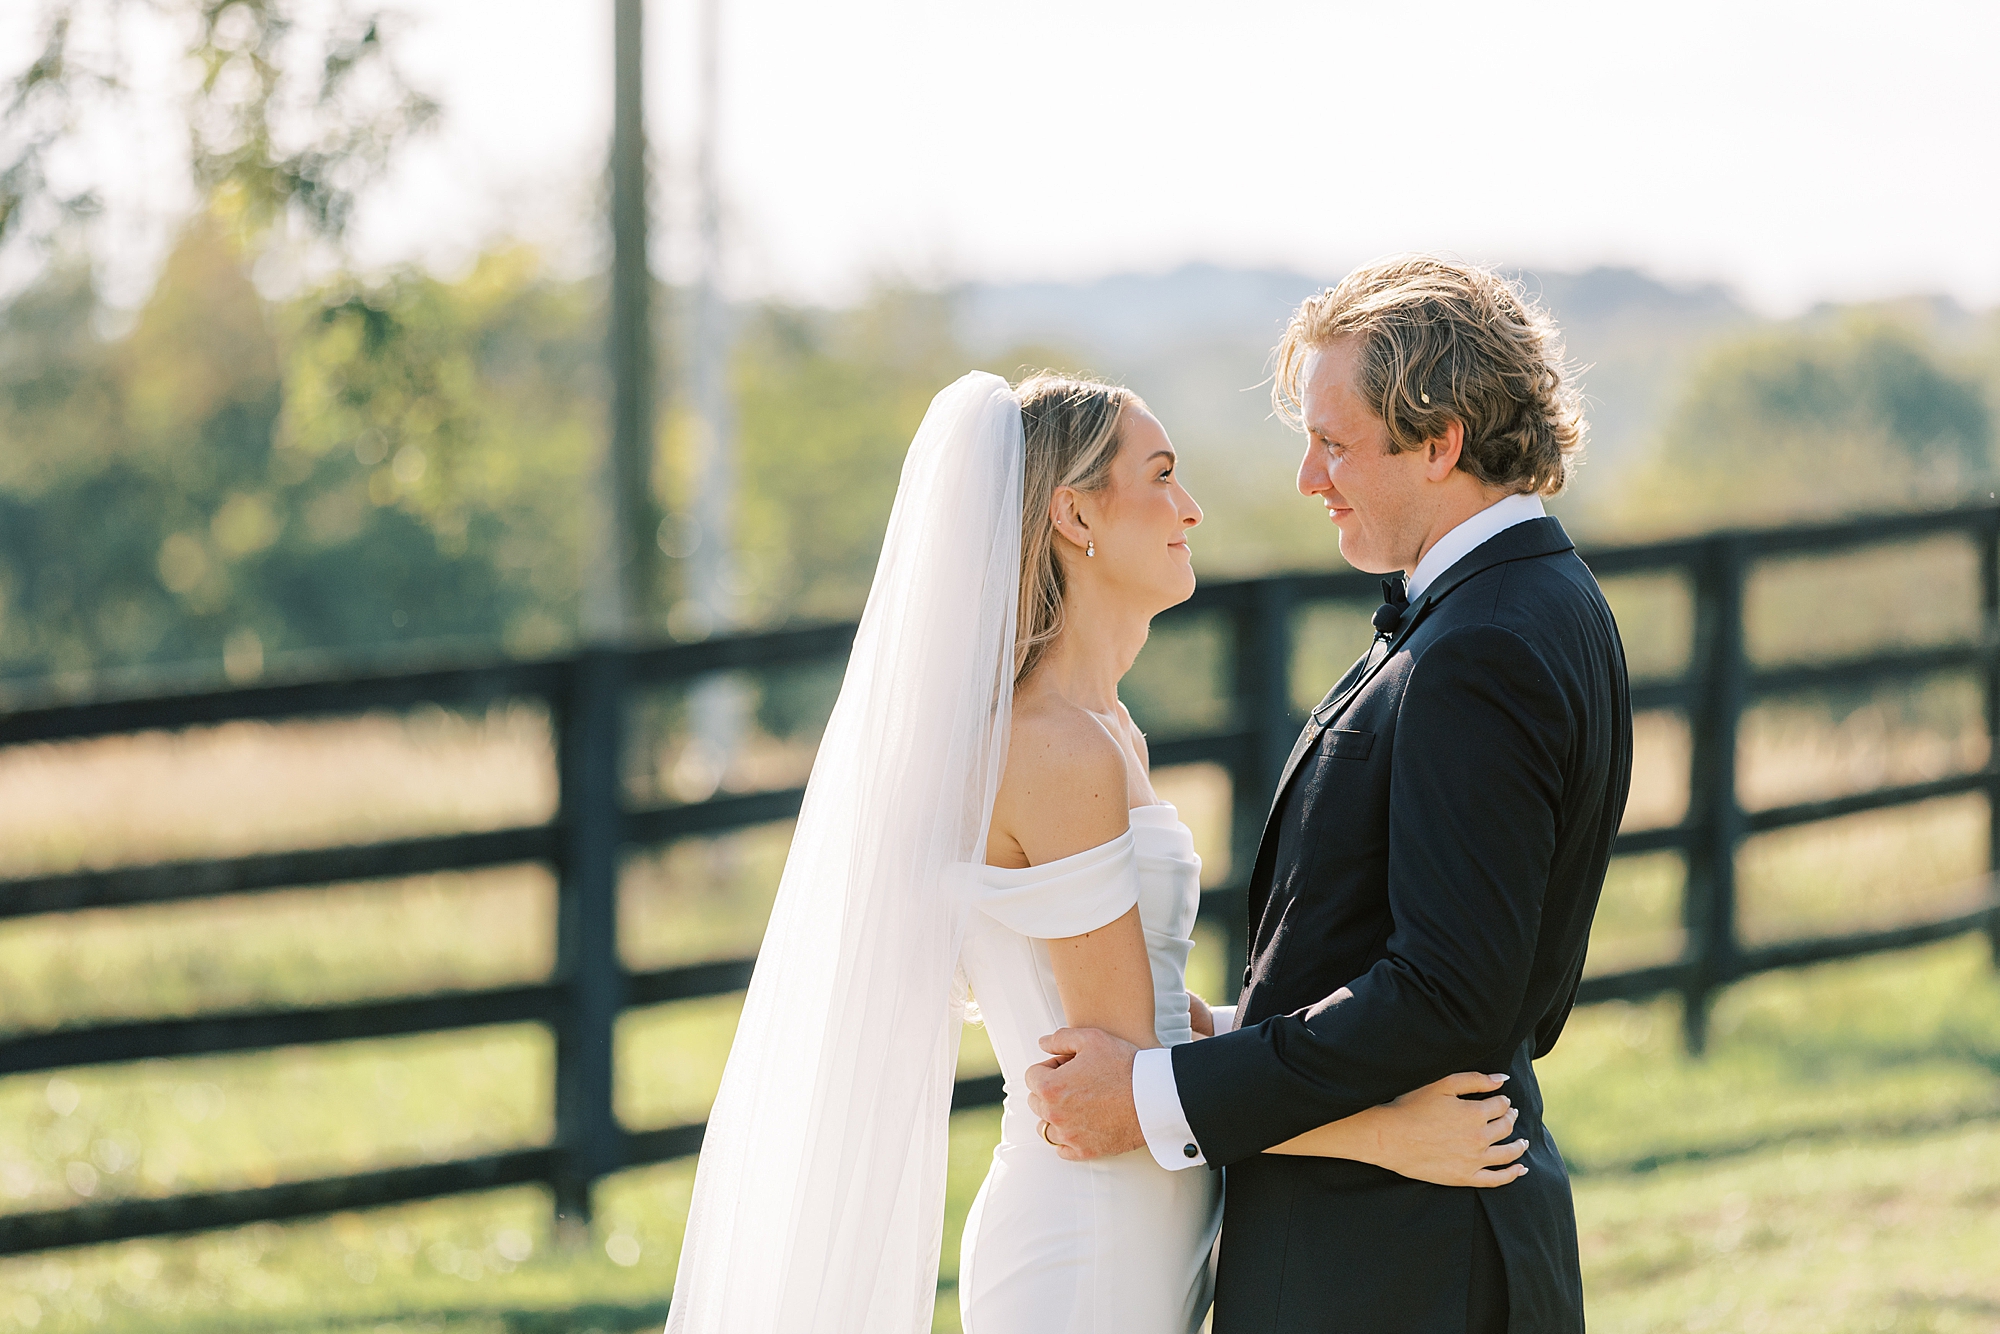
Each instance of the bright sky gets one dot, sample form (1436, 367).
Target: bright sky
(1793, 151)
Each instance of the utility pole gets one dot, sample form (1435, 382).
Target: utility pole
(717, 704)
(623, 586)
(713, 558)
(618, 589)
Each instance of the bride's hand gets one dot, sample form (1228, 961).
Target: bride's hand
(1200, 1016)
(1432, 1134)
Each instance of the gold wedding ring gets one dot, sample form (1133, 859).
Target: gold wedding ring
(1045, 1137)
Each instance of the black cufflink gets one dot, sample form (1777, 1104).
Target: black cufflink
(1190, 1151)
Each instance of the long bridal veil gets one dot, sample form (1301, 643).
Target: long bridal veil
(819, 1198)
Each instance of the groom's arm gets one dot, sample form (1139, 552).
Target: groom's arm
(1156, 1101)
(1475, 789)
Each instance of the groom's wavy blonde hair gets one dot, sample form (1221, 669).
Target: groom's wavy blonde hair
(1440, 341)
(1071, 429)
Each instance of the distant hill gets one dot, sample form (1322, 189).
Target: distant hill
(1135, 316)
(1196, 343)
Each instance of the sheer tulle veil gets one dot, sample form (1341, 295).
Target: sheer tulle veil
(819, 1198)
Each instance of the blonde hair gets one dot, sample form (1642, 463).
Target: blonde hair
(1440, 342)
(1071, 431)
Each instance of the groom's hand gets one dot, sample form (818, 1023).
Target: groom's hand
(1085, 1094)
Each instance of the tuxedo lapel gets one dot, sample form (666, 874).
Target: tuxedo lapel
(1536, 537)
(1338, 699)
(1310, 732)
(1331, 708)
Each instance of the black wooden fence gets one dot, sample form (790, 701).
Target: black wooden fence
(586, 696)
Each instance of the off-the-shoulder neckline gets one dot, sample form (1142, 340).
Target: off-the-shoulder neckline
(1099, 850)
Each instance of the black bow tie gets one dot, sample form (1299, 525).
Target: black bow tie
(1394, 603)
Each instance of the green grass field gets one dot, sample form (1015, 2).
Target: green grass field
(1833, 1164)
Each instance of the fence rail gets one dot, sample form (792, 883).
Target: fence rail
(590, 987)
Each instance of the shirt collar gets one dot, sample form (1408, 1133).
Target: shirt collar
(1474, 532)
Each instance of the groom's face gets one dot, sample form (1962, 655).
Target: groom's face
(1376, 499)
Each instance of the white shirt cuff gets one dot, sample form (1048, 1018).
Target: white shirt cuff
(1161, 1117)
(1225, 1018)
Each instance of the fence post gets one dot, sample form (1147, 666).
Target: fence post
(588, 1135)
(1709, 907)
(1989, 636)
(1263, 689)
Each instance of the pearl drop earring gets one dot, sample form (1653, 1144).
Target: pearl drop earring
(1090, 547)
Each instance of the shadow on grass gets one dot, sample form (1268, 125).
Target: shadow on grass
(589, 1318)
(1810, 1057)
(1956, 1304)
(1847, 1132)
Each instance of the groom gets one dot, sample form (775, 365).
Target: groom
(1422, 896)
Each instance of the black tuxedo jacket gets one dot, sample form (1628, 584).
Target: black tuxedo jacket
(1437, 844)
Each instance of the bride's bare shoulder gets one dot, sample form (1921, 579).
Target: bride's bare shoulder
(1058, 747)
(1064, 787)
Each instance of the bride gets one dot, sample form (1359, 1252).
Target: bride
(980, 824)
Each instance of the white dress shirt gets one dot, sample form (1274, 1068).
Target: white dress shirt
(1154, 1092)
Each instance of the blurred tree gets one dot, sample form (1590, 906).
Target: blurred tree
(292, 108)
(1985, 342)
(468, 408)
(118, 548)
(1817, 418)
(359, 464)
(828, 402)
(401, 461)
(63, 415)
(358, 467)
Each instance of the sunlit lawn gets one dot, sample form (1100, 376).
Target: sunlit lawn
(1833, 1164)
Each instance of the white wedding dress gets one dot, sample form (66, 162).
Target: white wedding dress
(818, 1204)
(1118, 1245)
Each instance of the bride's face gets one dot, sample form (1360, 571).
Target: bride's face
(1138, 521)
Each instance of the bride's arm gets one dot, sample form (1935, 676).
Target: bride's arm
(1106, 981)
(1430, 1134)
(1077, 801)
(1064, 792)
